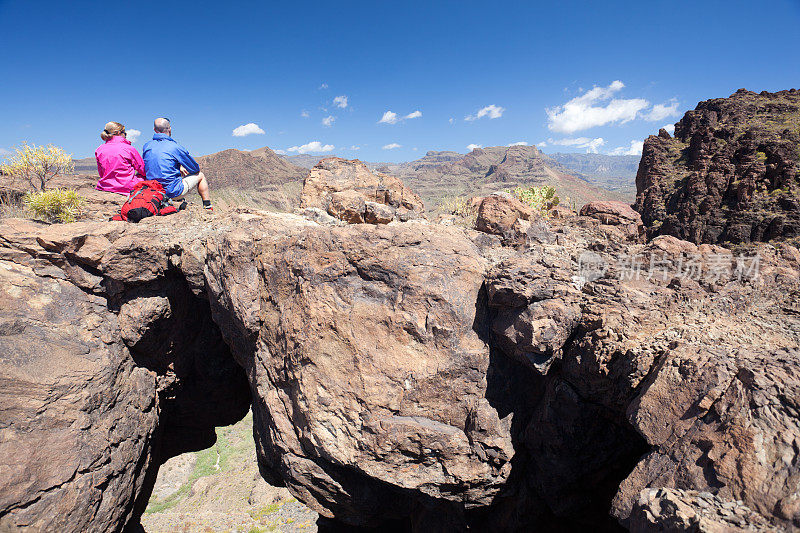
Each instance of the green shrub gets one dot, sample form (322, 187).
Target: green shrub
(541, 199)
(463, 208)
(55, 205)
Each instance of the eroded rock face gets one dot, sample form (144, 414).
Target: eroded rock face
(414, 373)
(681, 510)
(110, 364)
(371, 380)
(78, 417)
(341, 187)
(730, 173)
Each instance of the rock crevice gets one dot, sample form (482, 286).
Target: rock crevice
(415, 375)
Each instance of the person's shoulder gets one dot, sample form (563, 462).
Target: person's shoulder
(180, 146)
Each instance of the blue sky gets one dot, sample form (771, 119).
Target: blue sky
(578, 76)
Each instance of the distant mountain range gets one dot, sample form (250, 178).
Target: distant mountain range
(263, 178)
(614, 172)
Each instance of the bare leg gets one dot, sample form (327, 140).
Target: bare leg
(202, 187)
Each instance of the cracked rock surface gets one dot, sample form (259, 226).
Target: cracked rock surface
(406, 374)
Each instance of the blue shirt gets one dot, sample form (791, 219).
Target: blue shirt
(163, 158)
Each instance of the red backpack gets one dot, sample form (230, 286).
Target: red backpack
(147, 199)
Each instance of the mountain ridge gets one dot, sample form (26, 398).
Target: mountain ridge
(262, 176)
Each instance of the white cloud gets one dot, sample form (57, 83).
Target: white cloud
(354, 147)
(323, 86)
(280, 152)
(491, 111)
(634, 149)
(519, 143)
(248, 129)
(662, 111)
(670, 128)
(312, 147)
(392, 146)
(591, 145)
(132, 135)
(471, 147)
(305, 114)
(328, 121)
(582, 112)
(452, 120)
(388, 118)
(541, 144)
(340, 101)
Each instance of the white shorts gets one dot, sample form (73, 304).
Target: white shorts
(189, 183)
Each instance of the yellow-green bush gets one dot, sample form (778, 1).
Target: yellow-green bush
(542, 198)
(37, 165)
(55, 205)
(463, 208)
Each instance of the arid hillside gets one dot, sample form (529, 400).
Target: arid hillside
(731, 173)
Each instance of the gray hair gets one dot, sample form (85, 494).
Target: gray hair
(161, 125)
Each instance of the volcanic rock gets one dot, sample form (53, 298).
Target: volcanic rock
(334, 183)
(415, 375)
(348, 206)
(376, 213)
(730, 173)
(614, 213)
(682, 510)
(618, 214)
(498, 213)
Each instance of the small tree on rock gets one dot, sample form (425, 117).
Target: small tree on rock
(37, 165)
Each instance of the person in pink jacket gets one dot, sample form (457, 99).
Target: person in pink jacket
(119, 164)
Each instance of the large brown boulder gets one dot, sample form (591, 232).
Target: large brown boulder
(407, 375)
(348, 206)
(612, 213)
(336, 176)
(620, 216)
(515, 222)
(109, 367)
(730, 173)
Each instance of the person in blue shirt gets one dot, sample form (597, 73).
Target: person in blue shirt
(170, 164)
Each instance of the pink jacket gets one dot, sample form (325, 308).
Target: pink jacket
(119, 164)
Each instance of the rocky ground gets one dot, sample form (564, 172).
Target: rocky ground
(554, 374)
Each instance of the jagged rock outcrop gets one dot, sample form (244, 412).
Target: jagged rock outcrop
(730, 174)
(682, 510)
(515, 222)
(618, 214)
(410, 375)
(349, 191)
(109, 366)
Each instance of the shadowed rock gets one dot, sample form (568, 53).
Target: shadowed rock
(730, 173)
(389, 370)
